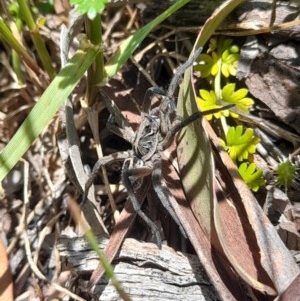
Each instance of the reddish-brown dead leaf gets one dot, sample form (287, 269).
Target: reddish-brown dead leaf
(217, 267)
(6, 284)
(270, 259)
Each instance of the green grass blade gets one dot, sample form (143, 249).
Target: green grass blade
(131, 43)
(42, 113)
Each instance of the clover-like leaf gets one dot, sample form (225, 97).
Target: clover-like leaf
(252, 176)
(208, 101)
(229, 63)
(208, 64)
(229, 57)
(90, 7)
(238, 97)
(221, 56)
(240, 144)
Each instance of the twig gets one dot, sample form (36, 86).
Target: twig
(31, 262)
(46, 230)
(93, 121)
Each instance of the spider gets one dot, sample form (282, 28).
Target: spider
(154, 134)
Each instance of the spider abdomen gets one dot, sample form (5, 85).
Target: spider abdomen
(147, 137)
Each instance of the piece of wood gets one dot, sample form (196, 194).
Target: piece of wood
(145, 272)
(256, 16)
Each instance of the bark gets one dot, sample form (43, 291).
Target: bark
(145, 272)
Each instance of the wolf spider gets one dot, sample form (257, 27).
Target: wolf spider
(154, 134)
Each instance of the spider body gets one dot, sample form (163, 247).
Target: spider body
(144, 159)
(154, 134)
(147, 137)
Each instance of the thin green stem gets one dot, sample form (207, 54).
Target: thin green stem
(91, 238)
(217, 80)
(96, 73)
(15, 58)
(36, 38)
(224, 125)
(16, 25)
(16, 64)
(109, 273)
(95, 77)
(218, 91)
(14, 44)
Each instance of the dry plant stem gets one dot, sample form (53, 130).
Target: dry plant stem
(31, 262)
(242, 32)
(295, 153)
(132, 20)
(45, 172)
(143, 71)
(273, 13)
(94, 121)
(163, 53)
(272, 151)
(139, 55)
(46, 230)
(20, 228)
(270, 128)
(112, 24)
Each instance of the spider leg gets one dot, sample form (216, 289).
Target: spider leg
(183, 122)
(117, 123)
(174, 82)
(128, 172)
(148, 97)
(125, 133)
(167, 109)
(120, 156)
(157, 185)
(180, 71)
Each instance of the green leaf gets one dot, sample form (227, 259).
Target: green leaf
(240, 144)
(208, 64)
(220, 54)
(90, 7)
(253, 177)
(237, 97)
(230, 58)
(42, 113)
(208, 101)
